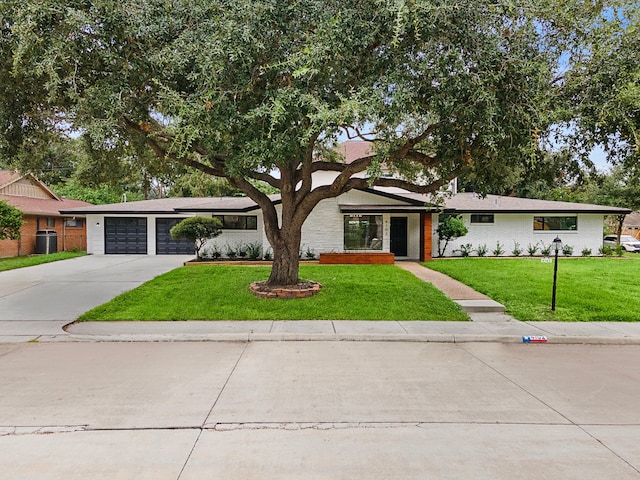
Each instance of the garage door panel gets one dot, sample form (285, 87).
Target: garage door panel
(165, 245)
(126, 235)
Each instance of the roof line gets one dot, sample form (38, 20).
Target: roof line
(392, 196)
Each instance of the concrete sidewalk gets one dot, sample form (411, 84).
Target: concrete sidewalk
(612, 333)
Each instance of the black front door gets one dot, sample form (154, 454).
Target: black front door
(399, 236)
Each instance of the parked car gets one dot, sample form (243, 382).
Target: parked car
(629, 243)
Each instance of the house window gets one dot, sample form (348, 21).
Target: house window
(363, 232)
(73, 222)
(482, 218)
(48, 222)
(238, 222)
(555, 223)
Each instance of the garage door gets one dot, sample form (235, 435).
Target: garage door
(125, 235)
(165, 245)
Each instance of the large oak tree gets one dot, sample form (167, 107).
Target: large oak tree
(260, 90)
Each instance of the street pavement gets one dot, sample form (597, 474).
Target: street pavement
(303, 399)
(320, 410)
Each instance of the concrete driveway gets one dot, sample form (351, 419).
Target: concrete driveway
(42, 299)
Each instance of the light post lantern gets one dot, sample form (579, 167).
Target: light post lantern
(557, 246)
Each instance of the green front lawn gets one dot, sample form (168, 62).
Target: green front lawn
(21, 262)
(588, 289)
(220, 292)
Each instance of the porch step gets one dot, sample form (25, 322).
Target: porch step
(481, 306)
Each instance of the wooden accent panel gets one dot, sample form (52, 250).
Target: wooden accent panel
(358, 258)
(426, 237)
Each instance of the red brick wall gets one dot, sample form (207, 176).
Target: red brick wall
(68, 238)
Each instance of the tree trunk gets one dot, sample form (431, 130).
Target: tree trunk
(619, 226)
(285, 265)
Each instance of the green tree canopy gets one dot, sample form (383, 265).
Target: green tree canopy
(449, 228)
(603, 88)
(198, 230)
(261, 90)
(10, 221)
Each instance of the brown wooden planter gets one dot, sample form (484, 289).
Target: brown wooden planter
(358, 258)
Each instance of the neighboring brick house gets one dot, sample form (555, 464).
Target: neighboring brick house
(41, 211)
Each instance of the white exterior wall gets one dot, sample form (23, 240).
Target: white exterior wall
(234, 238)
(508, 228)
(95, 234)
(323, 231)
(95, 230)
(413, 236)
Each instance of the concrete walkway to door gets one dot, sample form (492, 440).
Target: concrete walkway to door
(42, 299)
(479, 307)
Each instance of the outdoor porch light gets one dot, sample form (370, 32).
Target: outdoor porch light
(557, 246)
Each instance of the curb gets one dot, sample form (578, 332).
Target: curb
(298, 337)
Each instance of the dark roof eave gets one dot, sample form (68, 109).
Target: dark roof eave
(385, 209)
(617, 211)
(393, 196)
(160, 212)
(117, 212)
(218, 210)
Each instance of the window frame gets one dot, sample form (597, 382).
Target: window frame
(480, 216)
(73, 222)
(569, 228)
(249, 222)
(376, 238)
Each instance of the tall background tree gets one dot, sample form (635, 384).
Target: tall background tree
(261, 90)
(602, 88)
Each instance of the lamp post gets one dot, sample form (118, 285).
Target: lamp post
(557, 246)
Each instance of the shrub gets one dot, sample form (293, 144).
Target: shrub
(567, 250)
(532, 249)
(198, 230)
(230, 252)
(449, 228)
(241, 248)
(516, 249)
(310, 254)
(545, 250)
(215, 252)
(10, 221)
(605, 250)
(254, 250)
(586, 252)
(465, 249)
(267, 255)
(205, 253)
(499, 250)
(619, 250)
(482, 250)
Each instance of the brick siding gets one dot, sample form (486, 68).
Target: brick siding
(68, 238)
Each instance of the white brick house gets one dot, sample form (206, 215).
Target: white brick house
(360, 220)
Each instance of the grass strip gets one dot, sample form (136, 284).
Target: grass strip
(20, 262)
(349, 292)
(588, 289)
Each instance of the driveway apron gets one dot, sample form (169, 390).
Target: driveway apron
(40, 300)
